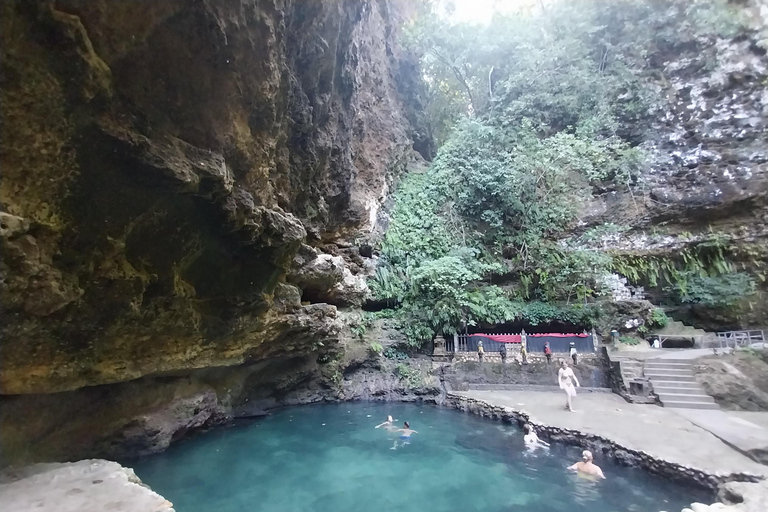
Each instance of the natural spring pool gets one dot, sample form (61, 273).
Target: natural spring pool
(330, 458)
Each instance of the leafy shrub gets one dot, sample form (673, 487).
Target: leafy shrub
(376, 347)
(659, 318)
(410, 375)
(395, 354)
(629, 340)
(721, 291)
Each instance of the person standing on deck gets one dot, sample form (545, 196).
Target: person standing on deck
(572, 352)
(566, 380)
(480, 351)
(547, 352)
(503, 352)
(524, 353)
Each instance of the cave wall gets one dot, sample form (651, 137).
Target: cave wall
(163, 164)
(126, 420)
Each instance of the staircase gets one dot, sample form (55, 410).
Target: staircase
(675, 385)
(630, 368)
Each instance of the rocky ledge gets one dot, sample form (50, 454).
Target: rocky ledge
(85, 486)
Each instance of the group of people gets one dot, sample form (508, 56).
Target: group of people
(574, 355)
(566, 379)
(406, 431)
(585, 466)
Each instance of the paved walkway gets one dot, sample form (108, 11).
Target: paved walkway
(649, 428)
(746, 434)
(663, 353)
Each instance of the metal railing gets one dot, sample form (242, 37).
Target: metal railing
(740, 338)
(462, 343)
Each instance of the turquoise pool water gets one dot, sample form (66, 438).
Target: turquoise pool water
(330, 458)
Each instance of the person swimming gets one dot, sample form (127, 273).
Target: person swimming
(586, 466)
(405, 437)
(531, 439)
(388, 425)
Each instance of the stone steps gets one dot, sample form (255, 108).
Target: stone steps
(671, 386)
(690, 405)
(681, 369)
(666, 365)
(677, 397)
(669, 376)
(674, 383)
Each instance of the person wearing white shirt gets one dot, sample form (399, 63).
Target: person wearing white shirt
(568, 383)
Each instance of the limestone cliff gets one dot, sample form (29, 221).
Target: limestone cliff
(705, 175)
(162, 165)
(186, 186)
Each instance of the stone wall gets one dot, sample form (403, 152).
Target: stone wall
(592, 371)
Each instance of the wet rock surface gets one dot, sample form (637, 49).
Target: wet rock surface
(157, 186)
(125, 420)
(737, 382)
(84, 486)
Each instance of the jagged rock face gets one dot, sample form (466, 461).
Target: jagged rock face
(129, 419)
(706, 170)
(709, 151)
(162, 164)
(704, 139)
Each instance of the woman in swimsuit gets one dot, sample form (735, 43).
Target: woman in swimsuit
(566, 379)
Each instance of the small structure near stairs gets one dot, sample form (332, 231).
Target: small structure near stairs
(676, 333)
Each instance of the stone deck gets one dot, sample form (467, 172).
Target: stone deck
(660, 432)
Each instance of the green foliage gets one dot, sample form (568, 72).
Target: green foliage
(412, 376)
(361, 325)
(359, 330)
(722, 291)
(629, 340)
(659, 318)
(540, 312)
(708, 258)
(571, 65)
(700, 274)
(395, 354)
(535, 112)
(376, 348)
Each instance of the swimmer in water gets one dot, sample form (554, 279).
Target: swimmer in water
(531, 439)
(405, 437)
(587, 467)
(388, 425)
